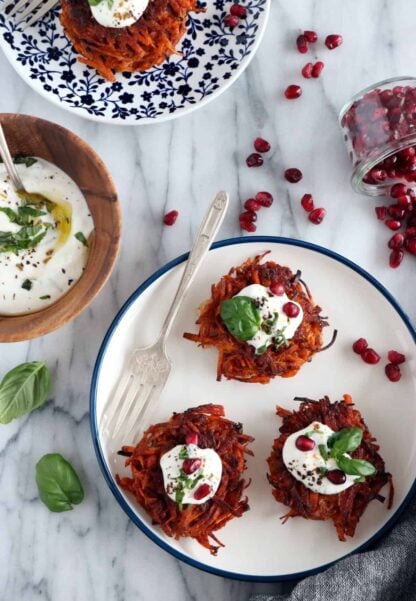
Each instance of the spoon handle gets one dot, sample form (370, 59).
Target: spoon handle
(8, 161)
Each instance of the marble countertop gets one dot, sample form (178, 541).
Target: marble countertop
(95, 552)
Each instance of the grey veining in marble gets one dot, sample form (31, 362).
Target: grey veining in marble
(95, 553)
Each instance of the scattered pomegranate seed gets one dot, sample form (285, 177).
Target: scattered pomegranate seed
(307, 70)
(248, 226)
(254, 160)
(202, 491)
(410, 232)
(191, 464)
(317, 69)
(303, 443)
(170, 218)
(393, 372)
(336, 476)
(293, 91)
(231, 21)
(395, 357)
(261, 145)
(291, 309)
(359, 346)
(302, 44)
(396, 257)
(410, 245)
(248, 216)
(404, 201)
(277, 288)
(311, 36)
(381, 213)
(317, 216)
(396, 241)
(398, 190)
(307, 202)
(396, 212)
(393, 224)
(370, 356)
(191, 438)
(252, 205)
(238, 11)
(293, 175)
(265, 199)
(333, 41)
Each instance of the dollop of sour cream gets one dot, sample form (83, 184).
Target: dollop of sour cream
(270, 307)
(33, 278)
(209, 473)
(309, 466)
(118, 13)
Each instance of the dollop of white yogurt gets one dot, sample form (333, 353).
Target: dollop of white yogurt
(118, 13)
(270, 307)
(306, 466)
(209, 473)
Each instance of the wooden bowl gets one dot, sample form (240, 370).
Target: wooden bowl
(31, 136)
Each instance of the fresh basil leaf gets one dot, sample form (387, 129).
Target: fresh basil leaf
(10, 214)
(345, 441)
(183, 453)
(28, 161)
(94, 2)
(241, 317)
(58, 483)
(261, 350)
(324, 451)
(323, 471)
(23, 389)
(355, 467)
(81, 238)
(179, 495)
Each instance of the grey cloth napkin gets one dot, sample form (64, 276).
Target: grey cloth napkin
(385, 572)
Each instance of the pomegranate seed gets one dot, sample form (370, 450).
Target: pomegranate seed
(311, 36)
(317, 69)
(359, 346)
(238, 11)
(379, 175)
(410, 232)
(396, 241)
(404, 201)
(277, 288)
(170, 218)
(307, 70)
(231, 21)
(381, 213)
(250, 216)
(410, 245)
(248, 226)
(261, 145)
(303, 443)
(293, 91)
(302, 44)
(336, 476)
(291, 309)
(317, 216)
(254, 160)
(393, 224)
(370, 356)
(393, 372)
(396, 257)
(252, 205)
(265, 199)
(307, 202)
(293, 175)
(202, 491)
(190, 465)
(191, 438)
(395, 357)
(396, 212)
(333, 41)
(398, 190)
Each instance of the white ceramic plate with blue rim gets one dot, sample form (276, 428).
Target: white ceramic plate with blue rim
(258, 546)
(212, 58)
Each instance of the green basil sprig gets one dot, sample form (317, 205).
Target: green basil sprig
(23, 389)
(58, 483)
(346, 441)
(355, 467)
(241, 317)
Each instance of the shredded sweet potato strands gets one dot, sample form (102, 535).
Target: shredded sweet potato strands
(146, 484)
(345, 508)
(237, 360)
(149, 41)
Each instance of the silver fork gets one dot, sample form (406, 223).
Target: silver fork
(130, 408)
(29, 7)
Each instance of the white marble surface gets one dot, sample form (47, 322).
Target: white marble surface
(94, 552)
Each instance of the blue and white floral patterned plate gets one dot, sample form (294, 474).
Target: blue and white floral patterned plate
(212, 57)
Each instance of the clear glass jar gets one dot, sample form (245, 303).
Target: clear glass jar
(379, 127)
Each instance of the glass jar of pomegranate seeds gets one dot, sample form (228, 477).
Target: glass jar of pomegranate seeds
(379, 126)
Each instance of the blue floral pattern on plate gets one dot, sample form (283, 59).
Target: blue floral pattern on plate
(210, 57)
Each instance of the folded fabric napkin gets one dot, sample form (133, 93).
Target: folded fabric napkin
(385, 572)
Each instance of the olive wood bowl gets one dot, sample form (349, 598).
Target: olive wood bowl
(31, 136)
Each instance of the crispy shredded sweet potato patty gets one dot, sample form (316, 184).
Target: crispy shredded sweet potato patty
(237, 360)
(345, 508)
(149, 41)
(146, 483)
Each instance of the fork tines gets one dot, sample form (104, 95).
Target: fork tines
(29, 7)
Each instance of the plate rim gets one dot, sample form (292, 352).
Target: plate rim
(94, 426)
(19, 69)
